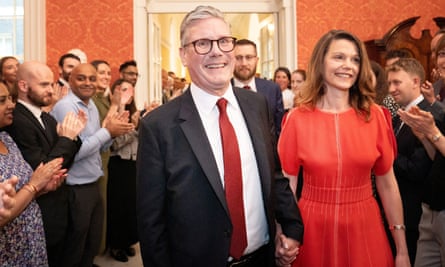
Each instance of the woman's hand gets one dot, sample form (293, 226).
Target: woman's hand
(49, 176)
(7, 200)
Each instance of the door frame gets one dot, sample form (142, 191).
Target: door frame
(286, 35)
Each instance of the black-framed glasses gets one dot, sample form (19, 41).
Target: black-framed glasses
(204, 46)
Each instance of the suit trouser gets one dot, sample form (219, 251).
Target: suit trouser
(431, 243)
(85, 226)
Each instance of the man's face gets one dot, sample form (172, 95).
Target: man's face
(211, 72)
(68, 65)
(246, 62)
(403, 87)
(130, 74)
(83, 81)
(40, 87)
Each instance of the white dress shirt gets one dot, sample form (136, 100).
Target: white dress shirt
(256, 222)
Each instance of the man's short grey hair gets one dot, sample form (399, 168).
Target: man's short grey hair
(199, 13)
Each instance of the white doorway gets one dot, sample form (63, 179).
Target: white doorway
(159, 18)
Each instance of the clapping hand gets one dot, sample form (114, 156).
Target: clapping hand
(117, 123)
(7, 193)
(72, 124)
(49, 176)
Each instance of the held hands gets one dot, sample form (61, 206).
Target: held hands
(48, 177)
(72, 125)
(286, 250)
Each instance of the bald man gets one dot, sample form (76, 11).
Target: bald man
(85, 203)
(36, 135)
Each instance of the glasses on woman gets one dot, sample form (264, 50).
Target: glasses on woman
(204, 46)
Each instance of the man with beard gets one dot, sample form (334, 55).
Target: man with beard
(128, 71)
(67, 63)
(41, 140)
(244, 77)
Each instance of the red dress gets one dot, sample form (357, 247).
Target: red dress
(343, 223)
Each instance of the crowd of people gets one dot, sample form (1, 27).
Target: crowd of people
(338, 164)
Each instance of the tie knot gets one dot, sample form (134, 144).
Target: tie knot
(247, 87)
(222, 104)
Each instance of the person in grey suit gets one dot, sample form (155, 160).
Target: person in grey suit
(244, 77)
(184, 217)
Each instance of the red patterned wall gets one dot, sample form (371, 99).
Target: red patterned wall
(102, 29)
(368, 19)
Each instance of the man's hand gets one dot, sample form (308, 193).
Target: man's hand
(117, 124)
(286, 250)
(72, 125)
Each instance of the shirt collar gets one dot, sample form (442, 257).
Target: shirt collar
(35, 110)
(241, 84)
(415, 102)
(207, 102)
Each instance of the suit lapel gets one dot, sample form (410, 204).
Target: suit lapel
(194, 131)
(32, 119)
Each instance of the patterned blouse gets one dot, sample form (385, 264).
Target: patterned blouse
(390, 103)
(22, 241)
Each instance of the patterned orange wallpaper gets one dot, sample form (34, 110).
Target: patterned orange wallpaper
(368, 19)
(102, 29)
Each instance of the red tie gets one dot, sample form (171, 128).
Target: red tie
(246, 87)
(233, 181)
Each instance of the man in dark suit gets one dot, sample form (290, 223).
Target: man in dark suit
(185, 216)
(244, 77)
(36, 134)
(413, 162)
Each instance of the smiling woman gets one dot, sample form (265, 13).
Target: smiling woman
(22, 240)
(337, 98)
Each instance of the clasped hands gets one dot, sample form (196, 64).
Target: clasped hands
(286, 250)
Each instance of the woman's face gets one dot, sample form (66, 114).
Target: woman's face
(6, 106)
(103, 77)
(282, 80)
(341, 65)
(296, 81)
(9, 70)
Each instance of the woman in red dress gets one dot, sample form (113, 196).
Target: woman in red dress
(339, 135)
